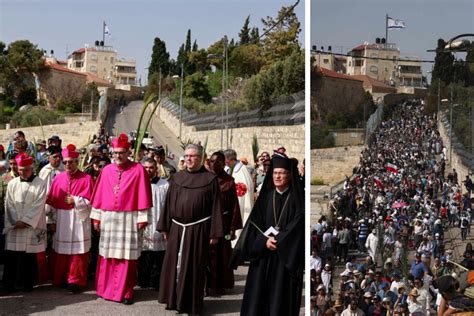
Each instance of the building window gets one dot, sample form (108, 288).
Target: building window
(374, 69)
(350, 64)
(93, 56)
(326, 61)
(105, 57)
(111, 60)
(93, 68)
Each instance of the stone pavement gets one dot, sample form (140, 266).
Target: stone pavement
(51, 300)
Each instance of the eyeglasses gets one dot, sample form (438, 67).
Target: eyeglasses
(120, 152)
(68, 162)
(279, 173)
(191, 156)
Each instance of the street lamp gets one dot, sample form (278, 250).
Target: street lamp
(180, 99)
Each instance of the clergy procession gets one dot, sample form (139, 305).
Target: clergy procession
(387, 248)
(70, 215)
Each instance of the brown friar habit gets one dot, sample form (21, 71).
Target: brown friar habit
(275, 278)
(192, 197)
(220, 274)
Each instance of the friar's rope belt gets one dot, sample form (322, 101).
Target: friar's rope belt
(181, 244)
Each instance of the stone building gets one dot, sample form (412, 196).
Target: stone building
(102, 61)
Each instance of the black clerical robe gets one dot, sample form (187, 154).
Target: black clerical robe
(275, 278)
(192, 204)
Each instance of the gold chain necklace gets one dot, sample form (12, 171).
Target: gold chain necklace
(277, 223)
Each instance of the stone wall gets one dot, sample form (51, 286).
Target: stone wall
(334, 94)
(332, 164)
(456, 161)
(348, 137)
(76, 133)
(240, 139)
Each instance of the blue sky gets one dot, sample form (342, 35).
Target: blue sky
(344, 24)
(53, 25)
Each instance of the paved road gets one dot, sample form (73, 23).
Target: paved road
(128, 121)
(51, 300)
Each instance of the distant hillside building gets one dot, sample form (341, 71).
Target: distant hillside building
(329, 61)
(382, 62)
(102, 61)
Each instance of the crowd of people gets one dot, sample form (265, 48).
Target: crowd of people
(70, 214)
(400, 200)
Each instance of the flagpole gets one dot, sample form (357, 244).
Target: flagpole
(386, 30)
(103, 33)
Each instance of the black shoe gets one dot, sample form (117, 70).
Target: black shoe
(128, 301)
(73, 288)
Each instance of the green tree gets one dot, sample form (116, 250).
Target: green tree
(281, 35)
(244, 34)
(195, 46)
(280, 79)
(160, 58)
(470, 65)
(182, 58)
(443, 67)
(246, 60)
(199, 60)
(254, 36)
(19, 65)
(187, 47)
(195, 86)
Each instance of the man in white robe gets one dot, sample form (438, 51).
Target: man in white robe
(241, 176)
(371, 244)
(69, 199)
(154, 244)
(25, 226)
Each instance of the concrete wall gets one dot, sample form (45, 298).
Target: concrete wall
(332, 164)
(71, 133)
(240, 139)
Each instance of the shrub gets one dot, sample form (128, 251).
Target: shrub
(321, 137)
(34, 116)
(317, 181)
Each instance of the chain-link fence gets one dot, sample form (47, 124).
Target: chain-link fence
(286, 111)
(373, 122)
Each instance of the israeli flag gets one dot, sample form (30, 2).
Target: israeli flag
(395, 24)
(107, 31)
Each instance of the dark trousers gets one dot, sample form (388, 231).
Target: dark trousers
(20, 269)
(149, 268)
(344, 250)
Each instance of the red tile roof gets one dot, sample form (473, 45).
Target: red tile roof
(363, 46)
(99, 81)
(371, 81)
(332, 74)
(64, 69)
(78, 51)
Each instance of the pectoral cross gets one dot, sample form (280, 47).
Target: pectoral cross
(116, 188)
